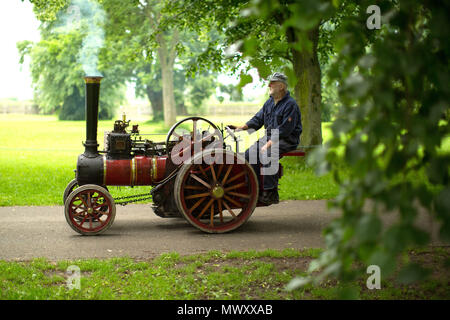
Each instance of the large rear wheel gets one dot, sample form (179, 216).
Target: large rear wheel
(217, 197)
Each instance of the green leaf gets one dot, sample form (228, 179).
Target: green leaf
(368, 228)
(348, 293)
(385, 260)
(413, 273)
(244, 80)
(263, 68)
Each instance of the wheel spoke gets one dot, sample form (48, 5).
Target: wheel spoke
(202, 170)
(213, 172)
(78, 206)
(236, 176)
(77, 214)
(82, 221)
(229, 209)
(82, 200)
(220, 211)
(100, 206)
(198, 195)
(212, 215)
(176, 135)
(89, 200)
(237, 204)
(200, 180)
(205, 208)
(236, 186)
(194, 127)
(246, 196)
(226, 174)
(98, 217)
(219, 171)
(196, 205)
(195, 187)
(207, 138)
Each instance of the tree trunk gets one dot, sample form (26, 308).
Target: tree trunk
(155, 98)
(168, 95)
(308, 89)
(167, 58)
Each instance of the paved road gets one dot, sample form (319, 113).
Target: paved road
(29, 232)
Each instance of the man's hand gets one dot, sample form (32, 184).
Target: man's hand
(266, 146)
(237, 128)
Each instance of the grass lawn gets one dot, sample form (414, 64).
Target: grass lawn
(39, 153)
(215, 275)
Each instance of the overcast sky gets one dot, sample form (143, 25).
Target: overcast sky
(17, 23)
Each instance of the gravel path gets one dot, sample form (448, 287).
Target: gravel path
(29, 232)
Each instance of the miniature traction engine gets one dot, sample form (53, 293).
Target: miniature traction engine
(193, 174)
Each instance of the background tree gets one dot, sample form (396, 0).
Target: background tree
(269, 35)
(133, 51)
(57, 72)
(153, 55)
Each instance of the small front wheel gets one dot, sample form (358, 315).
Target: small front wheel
(72, 185)
(90, 209)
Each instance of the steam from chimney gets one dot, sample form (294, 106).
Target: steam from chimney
(88, 18)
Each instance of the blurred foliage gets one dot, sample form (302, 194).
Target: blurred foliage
(330, 97)
(393, 84)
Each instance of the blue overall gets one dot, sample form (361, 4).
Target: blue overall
(286, 118)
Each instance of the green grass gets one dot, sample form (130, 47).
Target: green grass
(214, 275)
(38, 156)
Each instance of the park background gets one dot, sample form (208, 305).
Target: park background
(41, 131)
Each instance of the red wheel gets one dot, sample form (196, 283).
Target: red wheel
(90, 210)
(72, 185)
(217, 197)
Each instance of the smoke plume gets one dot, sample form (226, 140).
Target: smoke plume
(87, 17)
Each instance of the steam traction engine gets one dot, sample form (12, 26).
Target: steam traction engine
(192, 173)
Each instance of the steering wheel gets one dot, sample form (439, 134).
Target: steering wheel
(195, 133)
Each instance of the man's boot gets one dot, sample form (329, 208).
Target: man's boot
(269, 197)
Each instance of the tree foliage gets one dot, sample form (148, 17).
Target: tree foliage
(389, 132)
(58, 75)
(134, 46)
(46, 10)
(276, 35)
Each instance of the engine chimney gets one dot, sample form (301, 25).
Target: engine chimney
(92, 98)
(90, 163)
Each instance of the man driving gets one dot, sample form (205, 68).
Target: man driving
(281, 118)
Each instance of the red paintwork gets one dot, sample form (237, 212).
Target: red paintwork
(120, 172)
(294, 153)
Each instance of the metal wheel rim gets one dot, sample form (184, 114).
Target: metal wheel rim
(83, 210)
(201, 207)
